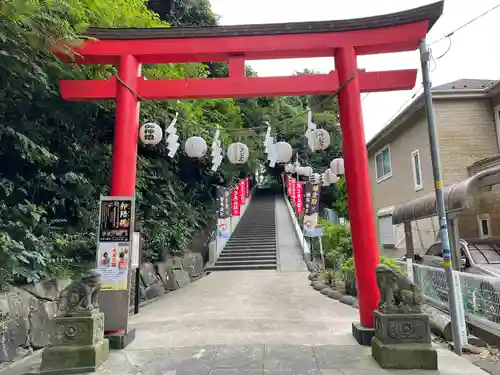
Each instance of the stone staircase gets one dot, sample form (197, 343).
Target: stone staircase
(253, 244)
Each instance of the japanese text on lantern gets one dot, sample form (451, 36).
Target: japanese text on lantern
(235, 202)
(298, 198)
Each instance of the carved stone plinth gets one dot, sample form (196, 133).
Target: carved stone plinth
(78, 345)
(403, 341)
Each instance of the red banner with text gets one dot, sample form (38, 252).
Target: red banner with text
(292, 190)
(289, 186)
(235, 203)
(241, 188)
(299, 194)
(247, 187)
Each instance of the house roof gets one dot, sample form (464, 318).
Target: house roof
(459, 89)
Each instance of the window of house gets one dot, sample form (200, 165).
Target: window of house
(496, 113)
(417, 170)
(383, 164)
(484, 225)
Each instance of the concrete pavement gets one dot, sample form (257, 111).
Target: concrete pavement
(253, 323)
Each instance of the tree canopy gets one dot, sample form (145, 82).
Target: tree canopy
(57, 155)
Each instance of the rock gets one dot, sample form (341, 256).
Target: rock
(312, 276)
(348, 300)
(325, 291)
(467, 349)
(152, 282)
(41, 322)
(182, 277)
(193, 263)
(318, 285)
(476, 341)
(335, 294)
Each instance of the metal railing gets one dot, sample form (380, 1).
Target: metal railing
(480, 294)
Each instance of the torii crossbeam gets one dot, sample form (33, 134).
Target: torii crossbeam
(344, 40)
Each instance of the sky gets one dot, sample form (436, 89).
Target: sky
(474, 51)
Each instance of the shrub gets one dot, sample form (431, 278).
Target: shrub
(337, 244)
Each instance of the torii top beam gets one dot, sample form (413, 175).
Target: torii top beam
(389, 33)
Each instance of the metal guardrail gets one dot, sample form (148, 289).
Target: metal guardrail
(480, 294)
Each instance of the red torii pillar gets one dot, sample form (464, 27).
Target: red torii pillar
(345, 40)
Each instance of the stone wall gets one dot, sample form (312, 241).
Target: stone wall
(26, 312)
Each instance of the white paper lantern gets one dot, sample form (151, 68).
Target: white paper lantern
(318, 139)
(289, 168)
(315, 178)
(284, 152)
(150, 133)
(337, 166)
(238, 153)
(304, 171)
(195, 147)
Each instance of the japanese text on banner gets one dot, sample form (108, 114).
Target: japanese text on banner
(235, 202)
(292, 191)
(242, 192)
(299, 193)
(247, 186)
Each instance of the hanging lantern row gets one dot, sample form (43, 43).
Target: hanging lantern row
(328, 177)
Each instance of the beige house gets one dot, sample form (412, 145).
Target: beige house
(468, 121)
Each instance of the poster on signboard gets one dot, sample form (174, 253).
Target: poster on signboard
(113, 264)
(115, 221)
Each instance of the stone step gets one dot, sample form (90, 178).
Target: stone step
(229, 257)
(245, 267)
(244, 262)
(251, 248)
(247, 253)
(251, 241)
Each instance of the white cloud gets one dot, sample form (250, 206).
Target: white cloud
(474, 52)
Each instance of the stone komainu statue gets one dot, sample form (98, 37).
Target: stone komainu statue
(397, 292)
(81, 295)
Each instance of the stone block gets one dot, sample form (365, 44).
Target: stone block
(402, 328)
(121, 341)
(153, 284)
(64, 360)
(403, 341)
(182, 277)
(404, 356)
(193, 263)
(362, 334)
(78, 345)
(167, 276)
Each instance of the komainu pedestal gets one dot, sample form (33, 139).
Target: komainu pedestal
(402, 332)
(78, 344)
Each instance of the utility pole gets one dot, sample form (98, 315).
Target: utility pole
(441, 210)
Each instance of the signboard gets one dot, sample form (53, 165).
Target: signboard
(223, 199)
(223, 228)
(135, 254)
(235, 202)
(241, 186)
(313, 231)
(113, 260)
(299, 193)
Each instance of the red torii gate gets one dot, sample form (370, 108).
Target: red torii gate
(128, 48)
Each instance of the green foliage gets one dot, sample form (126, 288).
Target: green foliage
(337, 244)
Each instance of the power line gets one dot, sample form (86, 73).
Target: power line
(465, 25)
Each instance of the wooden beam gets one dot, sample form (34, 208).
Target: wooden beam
(315, 84)
(260, 47)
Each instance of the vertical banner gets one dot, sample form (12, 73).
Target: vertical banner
(247, 186)
(223, 228)
(299, 194)
(223, 202)
(289, 186)
(241, 187)
(235, 202)
(115, 237)
(311, 208)
(292, 190)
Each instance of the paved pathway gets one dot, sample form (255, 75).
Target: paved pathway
(253, 323)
